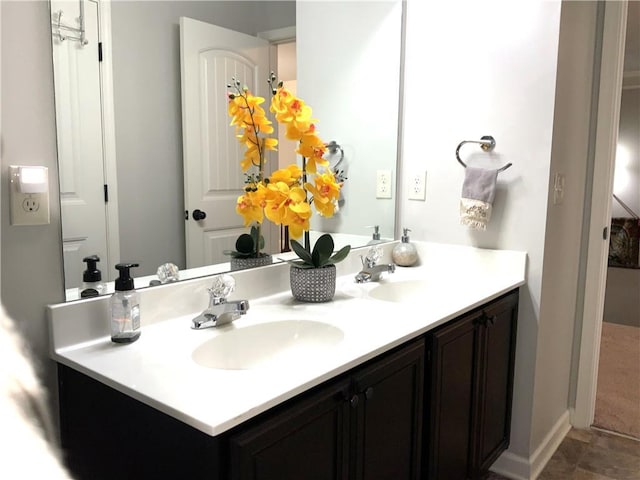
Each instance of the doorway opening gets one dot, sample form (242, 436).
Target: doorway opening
(617, 405)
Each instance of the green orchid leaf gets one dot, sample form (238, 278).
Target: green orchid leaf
(316, 258)
(323, 249)
(324, 245)
(257, 238)
(301, 252)
(300, 264)
(340, 254)
(245, 244)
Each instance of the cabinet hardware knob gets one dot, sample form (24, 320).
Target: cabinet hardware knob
(354, 401)
(492, 320)
(368, 393)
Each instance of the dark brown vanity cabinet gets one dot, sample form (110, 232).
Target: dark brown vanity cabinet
(470, 384)
(400, 416)
(366, 426)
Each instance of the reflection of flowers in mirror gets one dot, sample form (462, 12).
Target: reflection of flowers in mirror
(286, 196)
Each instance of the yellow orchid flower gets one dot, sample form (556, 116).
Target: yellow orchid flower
(289, 175)
(281, 198)
(326, 192)
(250, 207)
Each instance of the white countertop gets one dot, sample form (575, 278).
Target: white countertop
(159, 370)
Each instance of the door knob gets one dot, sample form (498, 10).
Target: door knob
(199, 214)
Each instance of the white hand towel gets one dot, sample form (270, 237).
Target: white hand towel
(478, 192)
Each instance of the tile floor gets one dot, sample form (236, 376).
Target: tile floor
(592, 455)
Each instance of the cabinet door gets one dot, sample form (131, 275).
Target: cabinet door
(386, 409)
(306, 440)
(451, 377)
(496, 358)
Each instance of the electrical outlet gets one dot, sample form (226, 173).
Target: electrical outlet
(29, 195)
(383, 184)
(417, 186)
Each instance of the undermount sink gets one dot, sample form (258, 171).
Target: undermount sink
(402, 291)
(262, 344)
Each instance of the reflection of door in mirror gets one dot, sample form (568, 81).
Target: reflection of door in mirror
(210, 56)
(85, 219)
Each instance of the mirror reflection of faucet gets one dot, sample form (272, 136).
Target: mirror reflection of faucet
(220, 311)
(371, 271)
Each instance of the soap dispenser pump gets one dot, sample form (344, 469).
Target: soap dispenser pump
(405, 253)
(376, 235)
(92, 284)
(125, 307)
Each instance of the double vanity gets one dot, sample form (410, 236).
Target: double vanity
(405, 378)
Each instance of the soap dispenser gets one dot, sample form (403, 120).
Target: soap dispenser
(125, 307)
(92, 284)
(376, 235)
(404, 253)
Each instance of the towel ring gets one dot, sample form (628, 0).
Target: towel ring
(487, 143)
(333, 148)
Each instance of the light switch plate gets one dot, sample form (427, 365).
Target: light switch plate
(417, 186)
(558, 188)
(27, 208)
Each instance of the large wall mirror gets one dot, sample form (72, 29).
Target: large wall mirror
(122, 129)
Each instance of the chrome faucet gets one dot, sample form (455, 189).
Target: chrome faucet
(220, 311)
(371, 271)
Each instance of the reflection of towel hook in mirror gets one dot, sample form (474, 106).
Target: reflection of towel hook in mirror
(487, 143)
(333, 148)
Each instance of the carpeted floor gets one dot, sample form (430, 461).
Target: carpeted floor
(618, 391)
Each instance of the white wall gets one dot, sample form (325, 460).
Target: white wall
(515, 71)
(146, 64)
(474, 69)
(570, 154)
(31, 255)
(354, 94)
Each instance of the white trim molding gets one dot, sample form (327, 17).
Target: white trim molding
(109, 136)
(595, 255)
(517, 467)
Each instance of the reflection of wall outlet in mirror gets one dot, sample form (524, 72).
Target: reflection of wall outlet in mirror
(417, 186)
(558, 188)
(383, 184)
(29, 195)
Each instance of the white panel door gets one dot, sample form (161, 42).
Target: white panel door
(210, 56)
(80, 148)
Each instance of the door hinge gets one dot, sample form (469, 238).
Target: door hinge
(186, 214)
(106, 194)
(99, 51)
(605, 233)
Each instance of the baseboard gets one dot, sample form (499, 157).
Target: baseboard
(512, 466)
(517, 467)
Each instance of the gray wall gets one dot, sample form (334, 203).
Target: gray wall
(31, 255)
(622, 296)
(146, 64)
